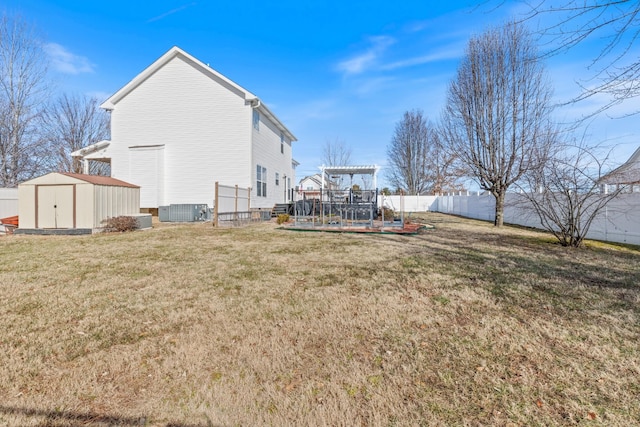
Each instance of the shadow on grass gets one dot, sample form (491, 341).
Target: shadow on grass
(529, 271)
(60, 418)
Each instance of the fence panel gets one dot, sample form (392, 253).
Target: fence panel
(8, 202)
(232, 206)
(618, 222)
(411, 203)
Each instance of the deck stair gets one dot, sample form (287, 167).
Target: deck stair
(281, 208)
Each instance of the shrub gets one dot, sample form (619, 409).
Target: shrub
(120, 224)
(282, 218)
(389, 214)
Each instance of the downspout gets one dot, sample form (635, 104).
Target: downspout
(255, 104)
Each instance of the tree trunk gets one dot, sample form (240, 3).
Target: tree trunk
(499, 220)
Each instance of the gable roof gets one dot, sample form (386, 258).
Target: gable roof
(627, 173)
(174, 52)
(315, 178)
(100, 180)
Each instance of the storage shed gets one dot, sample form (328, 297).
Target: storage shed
(74, 201)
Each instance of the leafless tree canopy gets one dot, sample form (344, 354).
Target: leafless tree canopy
(567, 194)
(336, 153)
(497, 116)
(23, 90)
(71, 123)
(616, 66)
(417, 162)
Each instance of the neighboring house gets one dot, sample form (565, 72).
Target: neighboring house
(311, 185)
(628, 174)
(180, 126)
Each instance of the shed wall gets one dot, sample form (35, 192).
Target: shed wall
(27, 205)
(111, 202)
(84, 205)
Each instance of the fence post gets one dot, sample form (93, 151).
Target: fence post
(215, 206)
(235, 206)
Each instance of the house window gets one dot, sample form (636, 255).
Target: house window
(256, 120)
(277, 178)
(261, 181)
(282, 143)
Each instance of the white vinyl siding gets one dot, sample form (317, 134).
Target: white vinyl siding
(203, 124)
(267, 147)
(212, 131)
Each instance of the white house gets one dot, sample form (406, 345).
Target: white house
(312, 183)
(628, 174)
(180, 126)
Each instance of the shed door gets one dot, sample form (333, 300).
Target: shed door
(55, 206)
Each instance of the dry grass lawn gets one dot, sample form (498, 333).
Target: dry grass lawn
(186, 325)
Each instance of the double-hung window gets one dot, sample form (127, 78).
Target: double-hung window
(261, 181)
(256, 120)
(282, 143)
(277, 178)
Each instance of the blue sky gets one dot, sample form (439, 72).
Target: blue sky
(330, 70)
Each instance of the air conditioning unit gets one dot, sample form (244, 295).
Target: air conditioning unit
(185, 212)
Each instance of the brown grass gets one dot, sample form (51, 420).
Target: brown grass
(193, 326)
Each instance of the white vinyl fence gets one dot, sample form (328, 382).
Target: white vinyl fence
(232, 206)
(408, 203)
(8, 202)
(618, 222)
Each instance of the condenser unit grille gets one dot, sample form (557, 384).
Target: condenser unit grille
(185, 212)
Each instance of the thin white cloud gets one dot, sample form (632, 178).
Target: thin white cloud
(66, 62)
(372, 85)
(367, 59)
(451, 52)
(171, 12)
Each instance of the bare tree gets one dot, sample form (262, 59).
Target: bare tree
(497, 116)
(71, 123)
(336, 153)
(569, 192)
(23, 89)
(616, 23)
(445, 169)
(408, 153)
(417, 162)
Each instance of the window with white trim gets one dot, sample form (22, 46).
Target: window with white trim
(277, 178)
(261, 181)
(282, 143)
(256, 120)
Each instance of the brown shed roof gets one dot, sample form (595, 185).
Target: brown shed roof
(100, 180)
